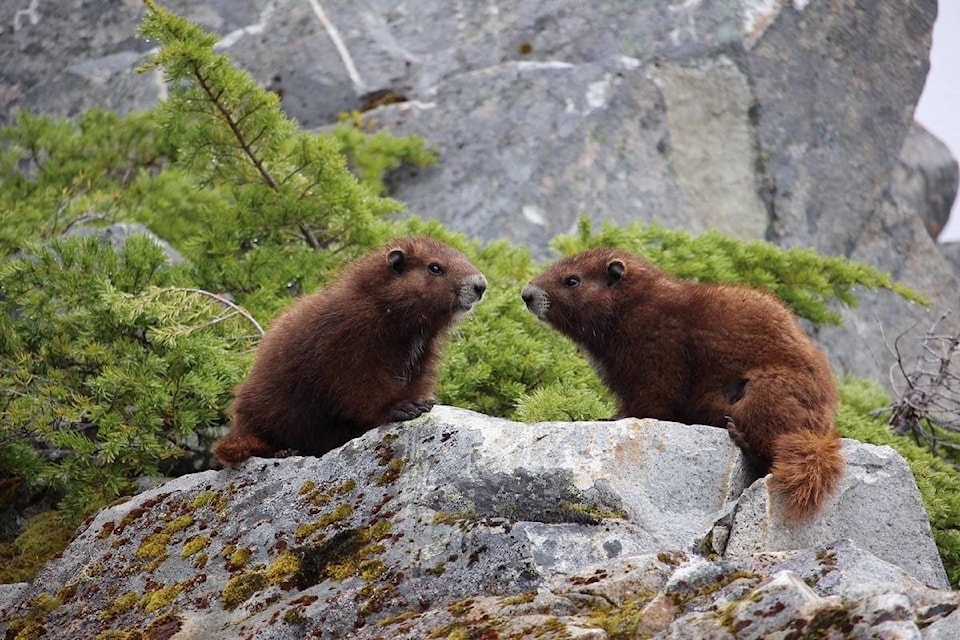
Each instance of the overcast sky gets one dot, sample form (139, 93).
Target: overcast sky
(939, 106)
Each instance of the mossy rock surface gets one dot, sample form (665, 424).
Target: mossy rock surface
(487, 527)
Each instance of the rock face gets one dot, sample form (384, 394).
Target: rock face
(926, 178)
(777, 120)
(457, 521)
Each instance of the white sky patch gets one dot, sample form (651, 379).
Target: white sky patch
(940, 101)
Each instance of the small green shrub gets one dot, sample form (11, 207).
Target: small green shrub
(108, 367)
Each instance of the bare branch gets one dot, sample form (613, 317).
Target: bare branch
(929, 402)
(236, 308)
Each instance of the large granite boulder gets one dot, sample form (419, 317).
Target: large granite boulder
(460, 521)
(926, 177)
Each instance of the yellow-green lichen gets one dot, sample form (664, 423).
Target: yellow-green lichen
(375, 596)
(178, 524)
(162, 597)
(392, 472)
(590, 513)
(203, 499)
(372, 569)
(194, 545)
(380, 529)
(347, 553)
(625, 621)
(673, 558)
(523, 598)
(239, 558)
(292, 616)
(397, 619)
(460, 607)
(66, 593)
(681, 598)
(342, 512)
(555, 628)
(283, 568)
(310, 492)
(304, 531)
(119, 606)
(200, 561)
(30, 627)
(153, 546)
(92, 571)
(452, 631)
(240, 588)
(451, 517)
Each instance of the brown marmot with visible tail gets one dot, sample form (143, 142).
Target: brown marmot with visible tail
(358, 354)
(721, 355)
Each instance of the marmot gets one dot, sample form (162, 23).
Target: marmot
(357, 354)
(721, 355)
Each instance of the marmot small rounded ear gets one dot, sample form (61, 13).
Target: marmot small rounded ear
(615, 272)
(395, 260)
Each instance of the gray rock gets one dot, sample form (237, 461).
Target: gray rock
(61, 62)
(460, 521)
(868, 508)
(601, 145)
(944, 629)
(925, 178)
(117, 233)
(11, 593)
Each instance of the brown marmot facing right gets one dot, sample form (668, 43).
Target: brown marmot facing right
(358, 354)
(721, 355)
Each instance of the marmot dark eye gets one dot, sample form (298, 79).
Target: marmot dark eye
(435, 269)
(571, 281)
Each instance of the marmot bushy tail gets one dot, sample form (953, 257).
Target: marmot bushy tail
(360, 353)
(806, 469)
(720, 355)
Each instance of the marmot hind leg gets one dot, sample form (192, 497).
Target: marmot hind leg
(792, 433)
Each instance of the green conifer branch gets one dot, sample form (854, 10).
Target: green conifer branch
(233, 131)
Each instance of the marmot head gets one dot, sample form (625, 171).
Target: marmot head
(425, 279)
(580, 295)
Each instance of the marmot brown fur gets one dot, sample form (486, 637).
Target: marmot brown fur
(721, 355)
(358, 354)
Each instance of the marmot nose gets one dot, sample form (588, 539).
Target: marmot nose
(479, 284)
(527, 295)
